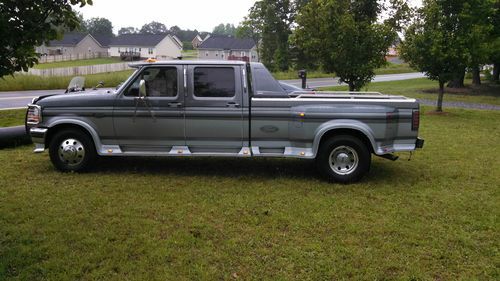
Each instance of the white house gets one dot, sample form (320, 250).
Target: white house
(74, 44)
(228, 48)
(159, 46)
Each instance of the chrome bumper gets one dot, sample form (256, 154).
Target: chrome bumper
(38, 137)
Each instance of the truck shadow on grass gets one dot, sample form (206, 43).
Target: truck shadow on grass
(264, 168)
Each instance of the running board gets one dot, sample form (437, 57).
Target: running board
(391, 157)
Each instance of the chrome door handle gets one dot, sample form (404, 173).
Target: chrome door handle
(174, 104)
(232, 104)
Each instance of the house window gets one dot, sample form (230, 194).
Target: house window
(214, 82)
(217, 53)
(222, 56)
(206, 54)
(150, 51)
(119, 50)
(140, 49)
(243, 54)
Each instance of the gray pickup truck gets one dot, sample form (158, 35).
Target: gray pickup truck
(230, 108)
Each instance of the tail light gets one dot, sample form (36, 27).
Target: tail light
(34, 115)
(415, 120)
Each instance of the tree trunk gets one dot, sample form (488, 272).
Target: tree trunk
(496, 72)
(457, 82)
(476, 76)
(440, 97)
(351, 86)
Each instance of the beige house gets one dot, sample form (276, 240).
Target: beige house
(196, 41)
(228, 48)
(159, 46)
(73, 44)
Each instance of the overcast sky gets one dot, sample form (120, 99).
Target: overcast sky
(202, 15)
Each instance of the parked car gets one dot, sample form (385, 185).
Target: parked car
(223, 108)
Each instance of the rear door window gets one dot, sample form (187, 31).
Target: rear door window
(214, 82)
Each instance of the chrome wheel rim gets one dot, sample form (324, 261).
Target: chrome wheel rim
(71, 152)
(343, 160)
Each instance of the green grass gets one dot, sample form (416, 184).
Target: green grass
(391, 68)
(432, 218)
(190, 54)
(32, 82)
(424, 88)
(13, 117)
(77, 63)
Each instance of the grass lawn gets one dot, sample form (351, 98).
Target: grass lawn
(190, 55)
(14, 117)
(32, 82)
(424, 88)
(77, 63)
(432, 218)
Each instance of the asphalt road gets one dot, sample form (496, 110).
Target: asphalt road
(19, 99)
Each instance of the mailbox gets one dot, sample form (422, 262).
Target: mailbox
(303, 76)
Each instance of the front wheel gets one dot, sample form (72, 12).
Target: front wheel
(343, 159)
(72, 151)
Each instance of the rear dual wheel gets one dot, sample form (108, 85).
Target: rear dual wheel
(343, 159)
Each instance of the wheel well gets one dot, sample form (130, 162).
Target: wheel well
(351, 132)
(53, 130)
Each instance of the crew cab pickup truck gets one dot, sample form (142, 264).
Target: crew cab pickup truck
(222, 108)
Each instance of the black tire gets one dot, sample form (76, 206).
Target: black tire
(351, 163)
(72, 150)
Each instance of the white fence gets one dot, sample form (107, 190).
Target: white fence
(80, 70)
(84, 56)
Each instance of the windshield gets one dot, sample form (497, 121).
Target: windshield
(77, 82)
(122, 84)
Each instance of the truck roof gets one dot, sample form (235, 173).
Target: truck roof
(187, 62)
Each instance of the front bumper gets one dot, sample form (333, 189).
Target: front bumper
(38, 137)
(419, 143)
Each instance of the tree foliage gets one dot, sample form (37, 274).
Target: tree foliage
(98, 26)
(270, 23)
(154, 27)
(447, 37)
(225, 30)
(344, 37)
(128, 30)
(27, 24)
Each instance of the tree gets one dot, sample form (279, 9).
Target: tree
(99, 26)
(344, 37)
(154, 27)
(494, 42)
(225, 30)
(27, 24)
(175, 30)
(270, 21)
(433, 45)
(128, 30)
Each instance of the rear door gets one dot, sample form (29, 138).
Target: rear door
(213, 111)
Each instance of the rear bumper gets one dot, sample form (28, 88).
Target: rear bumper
(38, 137)
(419, 143)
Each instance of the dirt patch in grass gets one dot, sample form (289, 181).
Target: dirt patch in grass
(485, 89)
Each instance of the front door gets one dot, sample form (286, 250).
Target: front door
(156, 122)
(214, 114)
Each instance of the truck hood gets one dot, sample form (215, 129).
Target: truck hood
(95, 98)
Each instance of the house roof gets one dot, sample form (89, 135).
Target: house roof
(69, 39)
(227, 43)
(143, 40)
(103, 40)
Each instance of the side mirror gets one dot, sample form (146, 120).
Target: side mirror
(142, 88)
